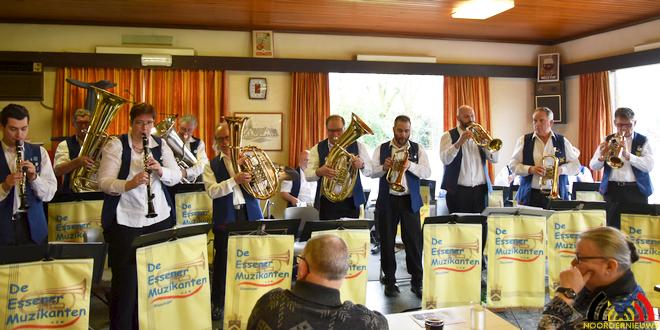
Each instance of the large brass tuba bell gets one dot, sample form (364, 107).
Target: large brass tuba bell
(341, 185)
(184, 156)
(106, 108)
(266, 177)
(551, 164)
(483, 139)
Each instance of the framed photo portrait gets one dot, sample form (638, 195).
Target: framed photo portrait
(548, 67)
(262, 129)
(262, 43)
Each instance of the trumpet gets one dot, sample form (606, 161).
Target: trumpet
(263, 264)
(354, 255)
(55, 299)
(22, 184)
(534, 237)
(191, 269)
(551, 165)
(151, 212)
(472, 248)
(482, 138)
(395, 174)
(612, 155)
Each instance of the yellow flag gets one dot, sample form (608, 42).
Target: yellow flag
(196, 207)
(255, 265)
(452, 265)
(46, 294)
(644, 232)
(516, 261)
(564, 227)
(173, 285)
(354, 287)
(67, 221)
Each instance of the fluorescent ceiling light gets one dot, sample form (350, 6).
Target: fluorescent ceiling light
(156, 60)
(390, 58)
(481, 9)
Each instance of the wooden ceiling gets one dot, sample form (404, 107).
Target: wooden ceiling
(531, 21)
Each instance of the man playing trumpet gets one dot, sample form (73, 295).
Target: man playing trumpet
(399, 200)
(628, 179)
(466, 178)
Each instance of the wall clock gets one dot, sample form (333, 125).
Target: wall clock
(257, 88)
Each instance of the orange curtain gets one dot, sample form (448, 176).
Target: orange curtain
(310, 106)
(595, 114)
(472, 91)
(197, 92)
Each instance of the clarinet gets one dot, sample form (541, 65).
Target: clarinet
(22, 195)
(151, 212)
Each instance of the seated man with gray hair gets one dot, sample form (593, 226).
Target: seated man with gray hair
(66, 155)
(313, 302)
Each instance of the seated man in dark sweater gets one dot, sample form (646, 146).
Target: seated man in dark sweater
(313, 302)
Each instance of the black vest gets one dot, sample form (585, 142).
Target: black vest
(74, 150)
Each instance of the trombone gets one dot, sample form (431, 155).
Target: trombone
(482, 138)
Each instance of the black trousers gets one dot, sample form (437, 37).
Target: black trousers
(621, 192)
(332, 211)
(121, 257)
(220, 240)
(398, 210)
(467, 199)
(21, 230)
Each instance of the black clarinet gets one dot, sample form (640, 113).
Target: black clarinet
(22, 184)
(151, 212)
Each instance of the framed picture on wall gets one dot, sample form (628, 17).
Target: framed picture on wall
(262, 129)
(262, 43)
(548, 67)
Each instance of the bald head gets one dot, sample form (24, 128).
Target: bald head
(303, 159)
(465, 115)
(221, 137)
(327, 256)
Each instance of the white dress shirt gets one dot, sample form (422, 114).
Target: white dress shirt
(314, 161)
(641, 159)
(132, 208)
(62, 154)
(202, 159)
(421, 169)
(472, 170)
(217, 189)
(44, 186)
(307, 189)
(571, 167)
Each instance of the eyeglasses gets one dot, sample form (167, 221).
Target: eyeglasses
(579, 258)
(623, 125)
(143, 123)
(335, 130)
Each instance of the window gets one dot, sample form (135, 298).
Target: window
(379, 98)
(637, 88)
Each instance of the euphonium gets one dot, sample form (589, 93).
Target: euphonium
(184, 156)
(106, 108)
(483, 139)
(266, 177)
(395, 174)
(151, 212)
(341, 185)
(551, 165)
(22, 184)
(613, 152)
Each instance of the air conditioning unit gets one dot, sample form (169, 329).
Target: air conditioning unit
(21, 81)
(145, 50)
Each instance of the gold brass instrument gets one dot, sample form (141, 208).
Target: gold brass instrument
(551, 165)
(483, 139)
(535, 237)
(341, 185)
(151, 212)
(263, 264)
(193, 268)
(395, 174)
(106, 108)
(184, 156)
(470, 249)
(266, 177)
(613, 156)
(55, 299)
(22, 184)
(355, 255)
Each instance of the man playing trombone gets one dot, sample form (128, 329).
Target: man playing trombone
(626, 175)
(466, 178)
(528, 157)
(400, 164)
(187, 125)
(66, 155)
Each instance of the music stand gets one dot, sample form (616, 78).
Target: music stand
(583, 186)
(64, 197)
(93, 250)
(506, 194)
(312, 226)
(268, 226)
(171, 234)
(431, 185)
(17, 254)
(305, 214)
(631, 208)
(562, 205)
(462, 218)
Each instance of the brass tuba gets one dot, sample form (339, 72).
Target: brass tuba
(341, 186)
(612, 155)
(266, 177)
(395, 174)
(551, 165)
(106, 108)
(483, 139)
(184, 156)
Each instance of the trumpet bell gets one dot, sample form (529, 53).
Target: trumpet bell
(615, 162)
(495, 145)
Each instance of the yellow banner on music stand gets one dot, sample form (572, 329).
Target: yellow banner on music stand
(452, 265)
(644, 232)
(516, 261)
(46, 294)
(255, 265)
(68, 221)
(358, 241)
(563, 229)
(196, 207)
(173, 285)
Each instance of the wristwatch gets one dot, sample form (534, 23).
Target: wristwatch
(568, 292)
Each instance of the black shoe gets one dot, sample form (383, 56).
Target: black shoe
(217, 312)
(417, 290)
(375, 249)
(391, 290)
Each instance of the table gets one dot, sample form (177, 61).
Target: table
(467, 317)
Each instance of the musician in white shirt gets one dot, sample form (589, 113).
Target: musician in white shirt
(187, 125)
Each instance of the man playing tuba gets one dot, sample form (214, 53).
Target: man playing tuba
(396, 205)
(66, 155)
(317, 169)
